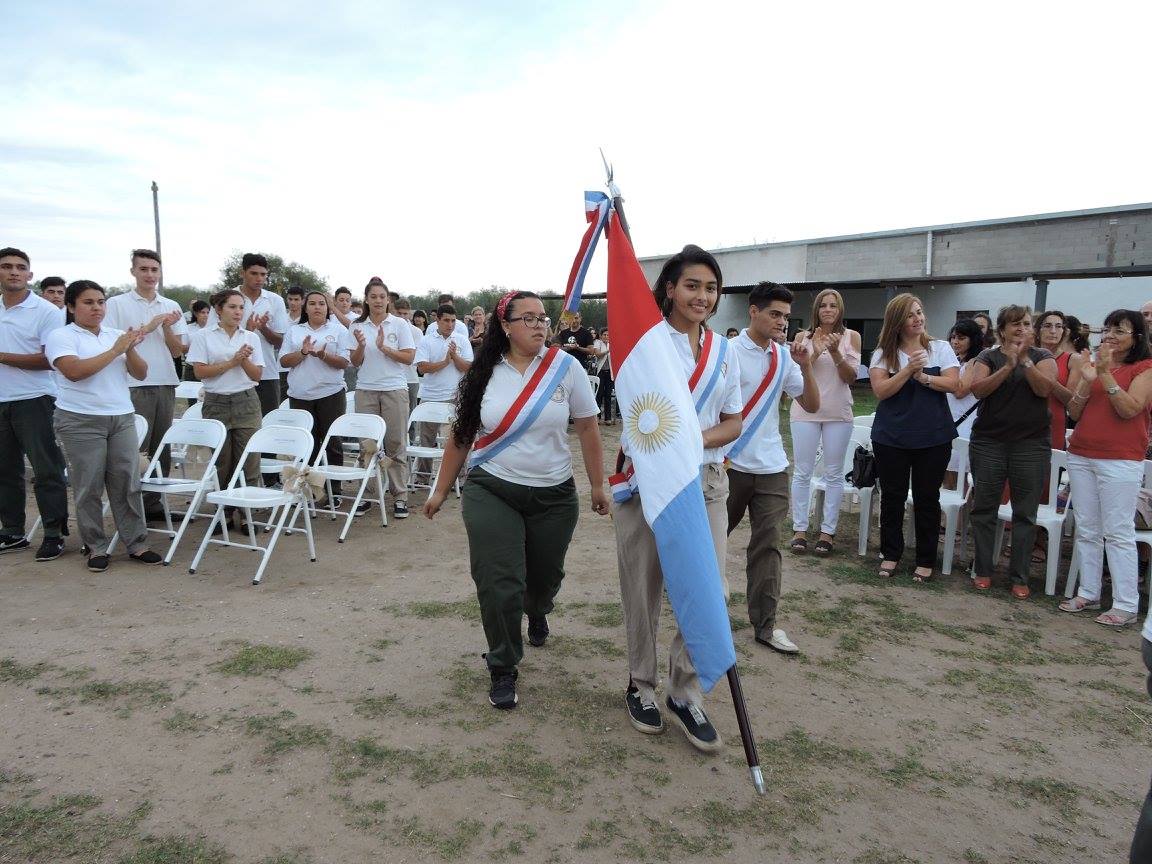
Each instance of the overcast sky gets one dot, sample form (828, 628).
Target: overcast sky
(448, 148)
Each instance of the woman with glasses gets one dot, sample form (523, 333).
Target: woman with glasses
(1052, 335)
(519, 501)
(1106, 464)
(1009, 444)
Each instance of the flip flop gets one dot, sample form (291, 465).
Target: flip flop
(1078, 604)
(1112, 618)
(920, 577)
(798, 545)
(982, 583)
(886, 572)
(822, 548)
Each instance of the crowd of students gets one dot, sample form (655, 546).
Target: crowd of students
(73, 375)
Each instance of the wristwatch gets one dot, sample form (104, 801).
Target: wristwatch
(1113, 390)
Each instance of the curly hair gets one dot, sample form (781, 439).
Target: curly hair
(470, 392)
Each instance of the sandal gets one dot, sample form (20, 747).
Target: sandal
(1078, 604)
(886, 572)
(982, 583)
(917, 576)
(1021, 592)
(1116, 618)
(822, 548)
(799, 545)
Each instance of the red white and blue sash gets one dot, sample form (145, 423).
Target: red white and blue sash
(526, 409)
(764, 398)
(709, 369)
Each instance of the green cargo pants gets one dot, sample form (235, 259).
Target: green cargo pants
(517, 539)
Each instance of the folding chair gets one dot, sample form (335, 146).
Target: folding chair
(429, 412)
(210, 434)
(351, 446)
(190, 390)
(372, 427)
(594, 380)
(294, 443)
(1048, 516)
(953, 503)
(296, 418)
(141, 436)
(861, 437)
(1142, 537)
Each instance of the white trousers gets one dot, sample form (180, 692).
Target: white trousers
(1104, 500)
(834, 437)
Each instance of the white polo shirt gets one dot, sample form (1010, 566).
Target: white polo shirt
(433, 348)
(378, 372)
(725, 396)
(271, 304)
(313, 378)
(764, 454)
(132, 310)
(541, 456)
(417, 335)
(24, 329)
(211, 344)
(104, 394)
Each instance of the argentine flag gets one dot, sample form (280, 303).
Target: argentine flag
(663, 439)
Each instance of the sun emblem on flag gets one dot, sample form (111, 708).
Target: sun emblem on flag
(652, 422)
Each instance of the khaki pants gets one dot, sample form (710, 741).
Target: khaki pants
(240, 414)
(642, 588)
(765, 497)
(392, 405)
(155, 404)
(102, 457)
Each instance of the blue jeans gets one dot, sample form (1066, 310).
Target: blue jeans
(1023, 465)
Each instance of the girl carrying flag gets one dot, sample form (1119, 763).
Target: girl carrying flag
(519, 502)
(687, 292)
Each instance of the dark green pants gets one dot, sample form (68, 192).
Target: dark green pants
(517, 539)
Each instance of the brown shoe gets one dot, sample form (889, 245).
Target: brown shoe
(1021, 592)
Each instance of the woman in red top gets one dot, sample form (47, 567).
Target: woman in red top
(1106, 463)
(1051, 335)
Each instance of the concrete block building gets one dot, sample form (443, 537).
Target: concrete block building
(1085, 263)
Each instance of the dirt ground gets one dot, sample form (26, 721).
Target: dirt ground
(338, 713)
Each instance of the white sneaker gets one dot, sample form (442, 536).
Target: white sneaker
(780, 642)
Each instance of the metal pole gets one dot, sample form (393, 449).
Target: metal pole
(156, 220)
(738, 702)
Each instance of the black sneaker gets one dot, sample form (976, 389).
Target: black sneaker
(51, 549)
(13, 544)
(362, 508)
(148, 557)
(537, 630)
(503, 692)
(400, 509)
(694, 722)
(643, 713)
(98, 563)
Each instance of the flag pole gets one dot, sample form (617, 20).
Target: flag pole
(738, 703)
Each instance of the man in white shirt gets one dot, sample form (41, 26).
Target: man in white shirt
(162, 320)
(443, 355)
(758, 466)
(27, 405)
(460, 328)
(52, 290)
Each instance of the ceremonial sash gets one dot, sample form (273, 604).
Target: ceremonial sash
(709, 368)
(763, 398)
(527, 407)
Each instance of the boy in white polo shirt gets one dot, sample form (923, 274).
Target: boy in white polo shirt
(162, 320)
(758, 466)
(442, 357)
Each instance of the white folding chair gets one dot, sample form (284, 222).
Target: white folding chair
(372, 427)
(1048, 516)
(193, 412)
(861, 437)
(429, 412)
(209, 434)
(296, 418)
(297, 445)
(350, 446)
(953, 502)
(141, 436)
(594, 380)
(190, 390)
(865, 420)
(1144, 537)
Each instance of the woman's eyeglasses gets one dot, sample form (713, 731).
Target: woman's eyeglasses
(531, 320)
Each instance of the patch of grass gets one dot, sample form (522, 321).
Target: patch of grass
(992, 682)
(1130, 721)
(63, 829)
(139, 692)
(382, 644)
(584, 647)
(1024, 747)
(13, 672)
(667, 842)
(883, 856)
(1062, 797)
(797, 748)
(1111, 687)
(226, 768)
(467, 610)
(14, 777)
(971, 856)
(176, 850)
(376, 707)
(605, 615)
(280, 736)
(261, 659)
(287, 858)
(449, 845)
(599, 833)
(185, 722)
